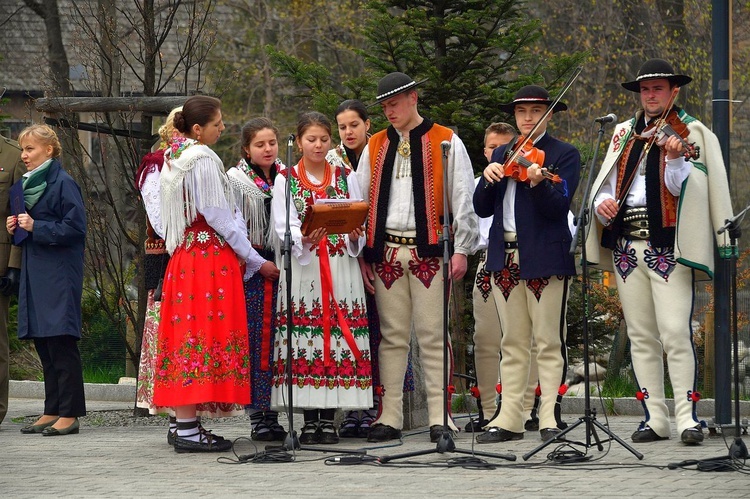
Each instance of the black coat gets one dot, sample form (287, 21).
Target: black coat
(541, 214)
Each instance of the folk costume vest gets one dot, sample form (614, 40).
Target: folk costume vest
(427, 187)
(662, 216)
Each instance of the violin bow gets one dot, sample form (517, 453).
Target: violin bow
(550, 109)
(644, 152)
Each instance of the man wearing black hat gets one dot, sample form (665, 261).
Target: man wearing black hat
(528, 255)
(401, 175)
(656, 211)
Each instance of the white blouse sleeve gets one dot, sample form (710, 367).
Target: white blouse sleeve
(222, 218)
(354, 247)
(152, 201)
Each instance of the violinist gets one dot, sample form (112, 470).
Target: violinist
(528, 256)
(649, 183)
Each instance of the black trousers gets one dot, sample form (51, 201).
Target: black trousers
(63, 376)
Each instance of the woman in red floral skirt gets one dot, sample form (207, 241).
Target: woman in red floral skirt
(202, 351)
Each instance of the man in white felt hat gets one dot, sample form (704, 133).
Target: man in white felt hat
(657, 215)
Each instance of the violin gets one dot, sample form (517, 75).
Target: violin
(672, 126)
(523, 156)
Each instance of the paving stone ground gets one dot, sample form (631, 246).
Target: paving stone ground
(136, 461)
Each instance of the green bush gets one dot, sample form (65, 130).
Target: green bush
(102, 345)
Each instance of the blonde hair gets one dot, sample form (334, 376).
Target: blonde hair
(44, 134)
(167, 130)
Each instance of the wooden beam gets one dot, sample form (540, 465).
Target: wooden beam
(148, 105)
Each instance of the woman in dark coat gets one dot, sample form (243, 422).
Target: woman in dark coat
(49, 300)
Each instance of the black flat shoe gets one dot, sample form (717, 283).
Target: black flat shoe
(326, 434)
(475, 425)
(646, 434)
(309, 434)
(549, 433)
(350, 426)
(692, 436)
(531, 425)
(36, 428)
(207, 443)
(56, 432)
(494, 435)
(382, 433)
(171, 435)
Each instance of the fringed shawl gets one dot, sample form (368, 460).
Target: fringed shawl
(194, 178)
(251, 194)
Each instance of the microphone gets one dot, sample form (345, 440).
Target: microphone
(445, 146)
(290, 142)
(610, 118)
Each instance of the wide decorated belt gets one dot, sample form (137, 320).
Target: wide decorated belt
(635, 222)
(392, 238)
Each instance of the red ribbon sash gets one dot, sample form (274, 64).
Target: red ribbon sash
(328, 298)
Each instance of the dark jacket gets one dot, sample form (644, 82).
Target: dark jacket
(541, 214)
(49, 300)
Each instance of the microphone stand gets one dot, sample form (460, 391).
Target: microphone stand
(446, 443)
(738, 449)
(291, 442)
(589, 417)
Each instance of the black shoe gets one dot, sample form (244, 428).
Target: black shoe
(549, 433)
(368, 417)
(309, 433)
(692, 436)
(382, 433)
(326, 434)
(646, 434)
(171, 435)
(475, 425)
(494, 435)
(350, 425)
(268, 430)
(532, 424)
(207, 443)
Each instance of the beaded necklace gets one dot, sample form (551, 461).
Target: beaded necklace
(308, 184)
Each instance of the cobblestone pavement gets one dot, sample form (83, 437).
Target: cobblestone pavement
(135, 461)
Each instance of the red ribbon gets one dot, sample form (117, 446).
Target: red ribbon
(265, 345)
(327, 298)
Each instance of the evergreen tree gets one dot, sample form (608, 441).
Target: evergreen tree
(475, 55)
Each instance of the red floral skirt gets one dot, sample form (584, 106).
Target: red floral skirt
(202, 350)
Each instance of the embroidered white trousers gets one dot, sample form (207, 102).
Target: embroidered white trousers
(657, 299)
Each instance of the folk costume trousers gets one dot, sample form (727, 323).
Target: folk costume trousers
(409, 294)
(656, 294)
(487, 337)
(530, 311)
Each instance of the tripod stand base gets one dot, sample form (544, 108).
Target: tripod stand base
(446, 444)
(738, 449)
(591, 425)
